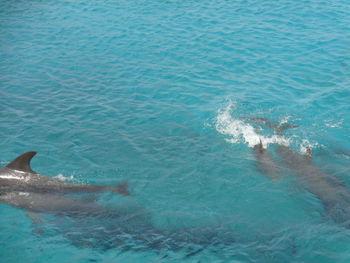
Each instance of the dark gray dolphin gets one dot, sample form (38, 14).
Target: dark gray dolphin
(280, 128)
(265, 162)
(81, 219)
(55, 204)
(85, 223)
(18, 176)
(330, 190)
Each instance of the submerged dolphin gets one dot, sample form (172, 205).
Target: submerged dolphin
(274, 126)
(85, 223)
(330, 190)
(265, 162)
(18, 176)
(79, 218)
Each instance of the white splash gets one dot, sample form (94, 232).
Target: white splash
(305, 144)
(239, 131)
(334, 124)
(63, 178)
(285, 120)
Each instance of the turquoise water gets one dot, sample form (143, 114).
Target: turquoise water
(158, 93)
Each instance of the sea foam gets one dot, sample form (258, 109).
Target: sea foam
(239, 131)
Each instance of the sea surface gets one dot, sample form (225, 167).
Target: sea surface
(162, 94)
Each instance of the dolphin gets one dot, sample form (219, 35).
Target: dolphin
(272, 125)
(86, 223)
(56, 204)
(80, 218)
(19, 176)
(265, 162)
(330, 190)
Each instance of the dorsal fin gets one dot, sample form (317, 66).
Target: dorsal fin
(259, 146)
(22, 163)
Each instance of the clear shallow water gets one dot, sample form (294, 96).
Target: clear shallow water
(157, 93)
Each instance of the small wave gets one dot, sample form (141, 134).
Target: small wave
(242, 132)
(334, 124)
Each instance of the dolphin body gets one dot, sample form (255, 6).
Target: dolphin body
(54, 204)
(18, 176)
(86, 223)
(330, 190)
(272, 125)
(265, 162)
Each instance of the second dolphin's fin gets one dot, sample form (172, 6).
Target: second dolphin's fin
(22, 163)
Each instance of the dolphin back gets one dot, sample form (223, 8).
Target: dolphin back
(22, 163)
